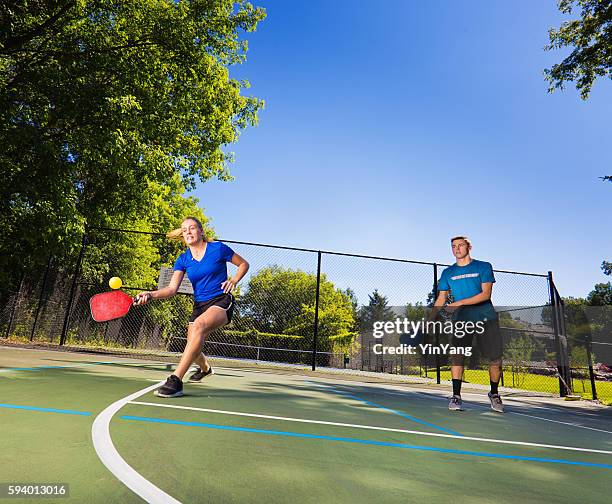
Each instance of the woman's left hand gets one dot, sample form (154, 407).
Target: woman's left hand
(228, 286)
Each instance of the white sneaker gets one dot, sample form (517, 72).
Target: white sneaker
(496, 403)
(455, 403)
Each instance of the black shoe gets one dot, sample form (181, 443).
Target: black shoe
(199, 374)
(172, 388)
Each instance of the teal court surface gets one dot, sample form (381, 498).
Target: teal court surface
(285, 435)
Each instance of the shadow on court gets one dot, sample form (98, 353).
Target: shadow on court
(247, 435)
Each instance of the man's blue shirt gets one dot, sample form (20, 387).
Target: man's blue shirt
(465, 282)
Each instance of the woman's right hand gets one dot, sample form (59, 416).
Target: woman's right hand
(142, 298)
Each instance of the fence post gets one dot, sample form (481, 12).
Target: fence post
(77, 269)
(590, 363)
(40, 297)
(435, 293)
(361, 345)
(316, 321)
(14, 308)
(561, 361)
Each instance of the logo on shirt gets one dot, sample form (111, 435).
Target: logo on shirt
(467, 275)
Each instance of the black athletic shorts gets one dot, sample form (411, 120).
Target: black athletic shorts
(224, 301)
(489, 341)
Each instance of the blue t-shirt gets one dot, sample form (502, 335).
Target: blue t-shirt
(207, 274)
(465, 282)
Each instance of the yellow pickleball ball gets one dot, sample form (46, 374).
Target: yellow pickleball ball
(115, 283)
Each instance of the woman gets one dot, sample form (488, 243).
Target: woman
(206, 265)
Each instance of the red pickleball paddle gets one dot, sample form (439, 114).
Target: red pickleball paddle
(110, 305)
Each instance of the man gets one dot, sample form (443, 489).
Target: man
(470, 283)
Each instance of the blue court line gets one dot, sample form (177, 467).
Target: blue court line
(383, 408)
(367, 442)
(20, 369)
(45, 410)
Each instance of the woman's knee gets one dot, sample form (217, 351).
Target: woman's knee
(200, 326)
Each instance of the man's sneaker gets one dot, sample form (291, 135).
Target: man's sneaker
(455, 404)
(199, 374)
(496, 403)
(172, 388)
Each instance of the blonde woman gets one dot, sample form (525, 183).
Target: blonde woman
(205, 263)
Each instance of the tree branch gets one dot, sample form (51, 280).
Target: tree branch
(83, 53)
(16, 43)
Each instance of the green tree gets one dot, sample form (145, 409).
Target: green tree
(520, 349)
(103, 104)
(601, 295)
(579, 359)
(377, 309)
(518, 352)
(590, 37)
(415, 311)
(282, 301)
(137, 258)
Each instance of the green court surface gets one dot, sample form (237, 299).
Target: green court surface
(259, 434)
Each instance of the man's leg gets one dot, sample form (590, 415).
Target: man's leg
(457, 367)
(495, 370)
(457, 373)
(492, 345)
(456, 404)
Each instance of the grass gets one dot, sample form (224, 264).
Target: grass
(537, 383)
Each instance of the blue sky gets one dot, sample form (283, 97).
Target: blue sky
(391, 126)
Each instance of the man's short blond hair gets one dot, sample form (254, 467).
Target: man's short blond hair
(461, 237)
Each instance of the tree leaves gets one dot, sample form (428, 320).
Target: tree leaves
(101, 101)
(591, 40)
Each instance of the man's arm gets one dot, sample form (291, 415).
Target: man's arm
(438, 305)
(485, 295)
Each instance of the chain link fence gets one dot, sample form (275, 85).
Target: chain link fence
(309, 307)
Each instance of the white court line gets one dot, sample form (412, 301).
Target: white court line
(110, 457)
(371, 427)
(560, 422)
(482, 406)
(433, 395)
